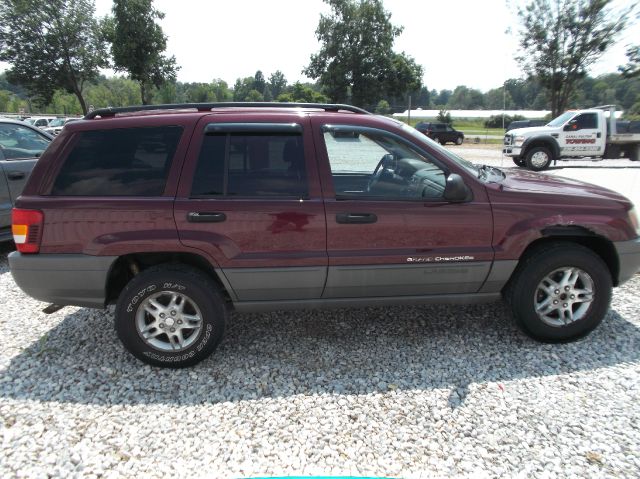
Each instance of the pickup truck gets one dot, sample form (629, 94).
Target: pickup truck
(592, 133)
(20, 146)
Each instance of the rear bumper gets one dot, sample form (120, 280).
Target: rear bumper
(629, 259)
(64, 279)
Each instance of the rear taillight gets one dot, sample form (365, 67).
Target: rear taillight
(26, 226)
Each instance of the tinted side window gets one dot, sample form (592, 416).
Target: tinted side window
(256, 165)
(121, 162)
(587, 120)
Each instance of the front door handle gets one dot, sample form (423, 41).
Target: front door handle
(16, 175)
(197, 217)
(599, 135)
(356, 218)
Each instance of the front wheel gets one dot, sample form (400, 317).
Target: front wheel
(459, 140)
(560, 292)
(538, 158)
(170, 316)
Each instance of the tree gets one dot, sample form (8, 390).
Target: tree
(138, 44)
(277, 83)
(404, 77)
(52, 44)
(301, 93)
(221, 89)
(464, 98)
(443, 97)
(560, 39)
(496, 98)
(383, 107)
(259, 83)
(356, 58)
(444, 117)
(5, 100)
(242, 89)
(632, 68)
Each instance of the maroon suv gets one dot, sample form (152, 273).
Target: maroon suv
(180, 213)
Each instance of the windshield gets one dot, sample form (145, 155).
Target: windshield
(452, 156)
(567, 115)
(57, 122)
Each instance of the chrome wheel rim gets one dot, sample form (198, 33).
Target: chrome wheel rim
(169, 321)
(539, 159)
(564, 296)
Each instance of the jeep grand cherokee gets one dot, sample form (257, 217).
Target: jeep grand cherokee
(180, 213)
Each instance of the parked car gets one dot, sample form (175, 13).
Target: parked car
(179, 214)
(441, 132)
(55, 126)
(525, 124)
(20, 147)
(40, 121)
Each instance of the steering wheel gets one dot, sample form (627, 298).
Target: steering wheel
(381, 167)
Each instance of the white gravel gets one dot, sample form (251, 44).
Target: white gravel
(403, 392)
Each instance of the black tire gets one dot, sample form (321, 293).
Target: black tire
(165, 280)
(459, 140)
(438, 140)
(519, 161)
(522, 291)
(534, 155)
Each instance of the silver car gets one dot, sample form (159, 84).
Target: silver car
(20, 147)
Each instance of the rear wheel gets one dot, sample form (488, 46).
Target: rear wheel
(538, 158)
(560, 292)
(170, 316)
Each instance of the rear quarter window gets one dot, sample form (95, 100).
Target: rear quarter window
(119, 162)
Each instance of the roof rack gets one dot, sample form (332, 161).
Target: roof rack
(109, 111)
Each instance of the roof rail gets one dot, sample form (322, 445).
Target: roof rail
(109, 111)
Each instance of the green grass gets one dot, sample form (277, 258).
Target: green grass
(485, 131)
(470, 127)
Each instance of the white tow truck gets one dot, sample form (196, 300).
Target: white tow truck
(592, 133)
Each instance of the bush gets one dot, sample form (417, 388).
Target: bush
(383, 107)
(444, 117)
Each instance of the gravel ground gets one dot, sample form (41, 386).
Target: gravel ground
(402, 392)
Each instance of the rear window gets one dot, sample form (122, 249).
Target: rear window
(120, 162)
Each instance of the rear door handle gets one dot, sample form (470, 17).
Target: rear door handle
(16, 175)
(356, 218)
(196, 217)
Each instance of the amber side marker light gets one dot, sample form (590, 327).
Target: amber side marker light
(26, 226)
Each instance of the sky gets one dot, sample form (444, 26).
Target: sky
(458, 42)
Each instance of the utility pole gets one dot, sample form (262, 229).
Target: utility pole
(409, 110)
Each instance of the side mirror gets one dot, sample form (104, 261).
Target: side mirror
(571, 126)
(456, 190)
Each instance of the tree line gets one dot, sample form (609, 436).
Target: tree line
(516, 94)
(56, 50)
